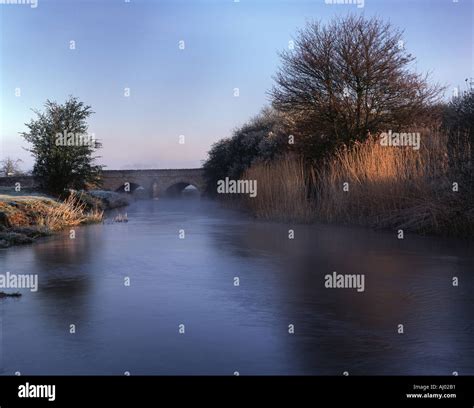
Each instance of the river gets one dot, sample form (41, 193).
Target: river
(183, 312)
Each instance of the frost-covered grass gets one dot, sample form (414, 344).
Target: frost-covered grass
(24, 218)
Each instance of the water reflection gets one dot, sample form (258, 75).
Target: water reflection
(190, 281)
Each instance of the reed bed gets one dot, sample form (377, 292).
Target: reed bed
(283, 190)
(371, 184)
(399, 186)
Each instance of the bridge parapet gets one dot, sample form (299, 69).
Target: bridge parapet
(11, 181)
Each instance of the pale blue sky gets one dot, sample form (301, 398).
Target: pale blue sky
(190, 92)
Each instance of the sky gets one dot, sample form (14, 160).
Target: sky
(228, 44)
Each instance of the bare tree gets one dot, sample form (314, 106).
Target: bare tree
(10, 167)
(347, 79)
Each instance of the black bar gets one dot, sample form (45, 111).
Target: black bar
(244, 390)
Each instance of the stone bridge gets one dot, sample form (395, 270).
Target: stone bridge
(23, 182)
(150, 182)
(156, 183)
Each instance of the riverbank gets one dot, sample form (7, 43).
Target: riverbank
(24, 218)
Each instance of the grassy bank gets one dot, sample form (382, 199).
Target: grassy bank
(25, 218)
(425, 191)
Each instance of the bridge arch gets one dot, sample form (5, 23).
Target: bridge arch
(174, 187)
(128, 187)
(177, 188)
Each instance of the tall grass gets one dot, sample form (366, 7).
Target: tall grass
(374, 185)
(55, 215)
(379, 179)
(398, 186)
(283, 188)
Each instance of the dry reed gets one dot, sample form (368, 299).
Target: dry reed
(282, 190)
(58, 215)
(396, 187)
(371, 184)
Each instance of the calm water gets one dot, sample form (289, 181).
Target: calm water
(236, 328)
